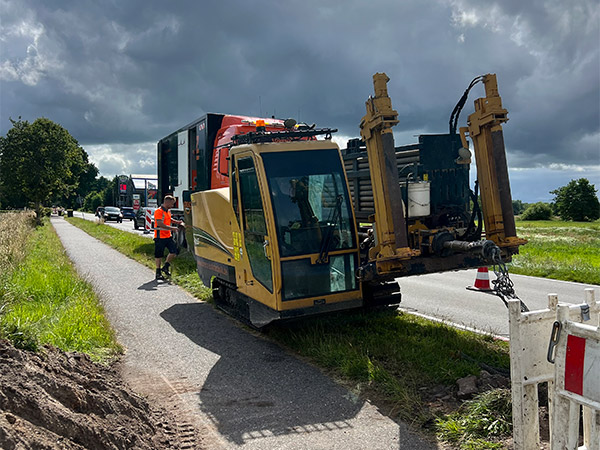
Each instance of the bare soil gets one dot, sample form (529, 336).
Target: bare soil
(58, 400)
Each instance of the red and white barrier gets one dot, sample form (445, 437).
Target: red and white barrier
(576, 385)
(530, 333)
(582, 359)
(148, 222)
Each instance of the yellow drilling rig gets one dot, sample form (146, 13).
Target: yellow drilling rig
(305, 228)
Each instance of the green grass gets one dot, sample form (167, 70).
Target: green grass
(488, 415)
(392, 356)
(141, 249)
(44, 301)
(568, 251)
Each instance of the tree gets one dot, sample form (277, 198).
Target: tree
(38, 161)
(519, 207)
(87, 178)
(101, 184)
(92, 201)
(577, 201)
(110, 192)
(537, 211)
(86, 183)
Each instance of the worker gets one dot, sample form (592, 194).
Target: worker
(163, 236)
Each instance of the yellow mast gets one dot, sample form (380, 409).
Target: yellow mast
(485, 130)
(391, 244)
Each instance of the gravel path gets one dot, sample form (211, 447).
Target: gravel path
(236, 389)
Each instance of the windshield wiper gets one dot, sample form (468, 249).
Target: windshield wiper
(332, 223)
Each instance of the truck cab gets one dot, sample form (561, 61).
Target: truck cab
(195, 157)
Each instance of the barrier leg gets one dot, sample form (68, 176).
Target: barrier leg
(517, 414)
(531, 418)
(550, 406)
(574, 415)
(526, 424)
(566, 415)
(591, 430)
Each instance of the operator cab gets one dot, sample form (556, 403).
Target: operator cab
(294, 241)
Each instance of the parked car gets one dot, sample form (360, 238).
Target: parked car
(140, 217)
(99, 211)
(112, 213)
(128, 212)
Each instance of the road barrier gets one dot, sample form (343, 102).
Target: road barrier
(576, 385)
(148, 222)
(529, 365)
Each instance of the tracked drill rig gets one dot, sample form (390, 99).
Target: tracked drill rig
(304, 228)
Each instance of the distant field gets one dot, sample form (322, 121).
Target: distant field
(560, 250)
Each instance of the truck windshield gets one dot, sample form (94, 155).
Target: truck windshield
(310, 201)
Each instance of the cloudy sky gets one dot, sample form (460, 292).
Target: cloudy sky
(120, 75)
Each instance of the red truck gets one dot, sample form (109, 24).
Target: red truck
(194, 158)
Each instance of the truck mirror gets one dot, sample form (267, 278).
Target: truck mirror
(223, 163)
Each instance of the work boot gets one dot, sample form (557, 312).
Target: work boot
(159, 275)
(165, 270)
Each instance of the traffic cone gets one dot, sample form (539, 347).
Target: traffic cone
(482, 281)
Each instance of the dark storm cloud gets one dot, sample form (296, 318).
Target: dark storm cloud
(130, 72)
(553, 102)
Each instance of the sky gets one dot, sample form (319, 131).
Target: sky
(120, 75)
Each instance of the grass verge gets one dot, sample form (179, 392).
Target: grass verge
(44, 301)
(568, 251)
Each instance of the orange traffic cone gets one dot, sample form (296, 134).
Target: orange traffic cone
(482, 281)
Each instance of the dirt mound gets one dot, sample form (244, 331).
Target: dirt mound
(52, 400)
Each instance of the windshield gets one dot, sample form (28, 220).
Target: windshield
(112, 210)
(310, 201)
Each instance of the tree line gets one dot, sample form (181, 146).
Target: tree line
(577, 201)
(42, 165)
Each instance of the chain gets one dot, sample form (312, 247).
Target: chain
(503, 285)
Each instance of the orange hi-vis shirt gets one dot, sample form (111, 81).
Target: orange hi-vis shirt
(166, 218)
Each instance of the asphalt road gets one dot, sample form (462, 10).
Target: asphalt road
(241, 390)
(444, 296)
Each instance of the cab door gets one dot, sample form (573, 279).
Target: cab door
(253, 224)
